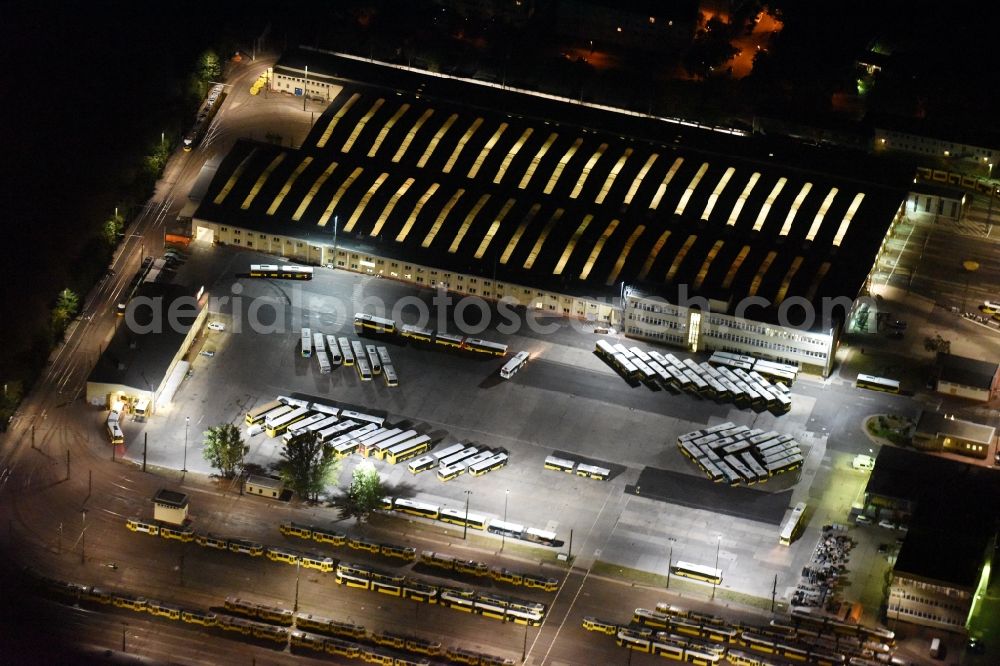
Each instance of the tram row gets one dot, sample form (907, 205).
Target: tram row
(707, 639)
(377, 580)
(279, 627)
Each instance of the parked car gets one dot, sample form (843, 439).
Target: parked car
(216, 326)
(207, 353)
(887, 524)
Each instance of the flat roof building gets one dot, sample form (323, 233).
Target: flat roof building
(946, 433)
(967, 377)
(560, 207)
(170, 506)
(949, 508)
(147, 347)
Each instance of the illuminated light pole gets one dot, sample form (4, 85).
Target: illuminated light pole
(335, 241)
(970, 267)
(305, 88)
(187, 421)
(718, 545)
(670, 560)
(298, 569)
(124, 627)
(465, 526)
(83, 536)
(503, 537)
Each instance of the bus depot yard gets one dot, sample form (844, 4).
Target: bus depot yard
(640, 510)
(568, 402)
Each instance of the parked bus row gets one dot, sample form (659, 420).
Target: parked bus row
(706, 380)
(458, 458)
(737, 455)
(578, 468)
(483, 570)
(316, 561)
(366, 324)
(467, 600)
(291, 418)
(784, 373)
(474, 520)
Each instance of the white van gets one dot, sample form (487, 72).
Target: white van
(864, 462)
(936, 651)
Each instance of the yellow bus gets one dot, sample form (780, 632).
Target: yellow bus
(258, 414)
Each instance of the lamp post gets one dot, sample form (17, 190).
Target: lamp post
(465, 526)
(298, 569)
(305, 89)
(970, 267)
(718, 545)
(503, 537)
(187, 422)
(670, 560)
(334, 241)
(83, 536)
(124, 627)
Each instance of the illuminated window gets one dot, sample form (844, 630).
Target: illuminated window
(598, 246)
(405, 231)
(530, 261)
(469, 219)
(714, 197)
(738, 206)
(766, 208)
(638, 179)
(562, 165)
(461, 144)
(530, 171)
(386, 129)
(620, 263)
(799, 198)
(484, 153)
(666, 181)
(572, 244)
(224, 192)
(364, 202)
(306, 161)
(586, 170)
(682, 204)
(488, 238)
(515, 239)
(511, 154)
(389, 206)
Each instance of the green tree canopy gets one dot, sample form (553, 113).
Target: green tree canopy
(307, 466)
(112, 229)
(209, 66)
(224, 448)
(67, 304)
(365, 494)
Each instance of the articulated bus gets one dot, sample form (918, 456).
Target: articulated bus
(408, 449)
(791, 527)
(258, 414)
(485, 346)
(697, 572)
(417, 333)
(281, 424)
(307, 343)
(877, 383)
(274, 272)
(366, 323)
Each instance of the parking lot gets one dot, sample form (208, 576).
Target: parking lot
(565, 400)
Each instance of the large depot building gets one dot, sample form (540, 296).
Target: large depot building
(580, 211)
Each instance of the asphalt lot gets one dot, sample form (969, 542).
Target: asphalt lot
(566, 399)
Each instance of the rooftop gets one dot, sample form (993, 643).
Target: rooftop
(559, 196)
(140, 353)
(936, 423)
(966, 371)
(265, 482)
(171, 498)
(955, 504)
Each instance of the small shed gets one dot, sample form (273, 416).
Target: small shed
(967, 377)
(265, 486)
(170, 506)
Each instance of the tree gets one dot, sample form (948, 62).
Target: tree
(67, 304)
(307, 466)
(224, 448)
(112, 229)
(209, 68)
(365, 494)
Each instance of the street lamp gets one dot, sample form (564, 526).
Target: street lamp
(124, 627)
(503, 537)
(670, 559)
(334, 241)
(718, 545)
(305, 89)
(83, 536)
(187, 421)
(298, 569)
(465, 526)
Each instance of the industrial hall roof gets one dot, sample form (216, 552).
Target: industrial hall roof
(559, 196)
